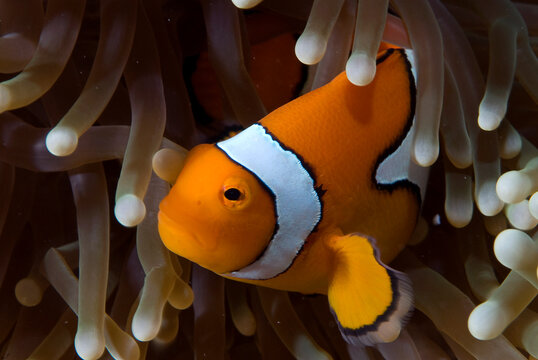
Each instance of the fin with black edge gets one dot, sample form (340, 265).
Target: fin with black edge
(370, 301)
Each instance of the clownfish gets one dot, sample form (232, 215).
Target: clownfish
(316, 198)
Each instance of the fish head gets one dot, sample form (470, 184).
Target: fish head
(217, 214)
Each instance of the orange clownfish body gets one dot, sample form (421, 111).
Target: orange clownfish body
(314, 198)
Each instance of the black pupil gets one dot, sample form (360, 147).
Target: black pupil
(232, 194)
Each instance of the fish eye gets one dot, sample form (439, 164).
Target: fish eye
(233, 194)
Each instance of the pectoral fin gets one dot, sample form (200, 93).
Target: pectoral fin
(370, 301)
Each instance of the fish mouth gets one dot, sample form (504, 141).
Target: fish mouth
(176, 238)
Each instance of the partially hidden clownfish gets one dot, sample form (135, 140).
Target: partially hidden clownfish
(316, 197)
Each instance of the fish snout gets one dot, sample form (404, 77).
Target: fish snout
(179, 239)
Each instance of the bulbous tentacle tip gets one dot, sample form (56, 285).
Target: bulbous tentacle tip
(130, 210)
(310, 48)
(246, 4)
(144, 328)
(360, 69)
(513, 186)
(425, 152)
(485, 321)
(489, 118)
(520, 216)
(486, 199)
(28, 292)
(389, 332)
(61, 141)
(181, 296)
(167, 164)
(460, 219)
(89, 345)
(515, 249)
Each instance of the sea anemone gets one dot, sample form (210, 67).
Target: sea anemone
(92, 90)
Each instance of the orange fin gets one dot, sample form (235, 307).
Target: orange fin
(370, 301)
